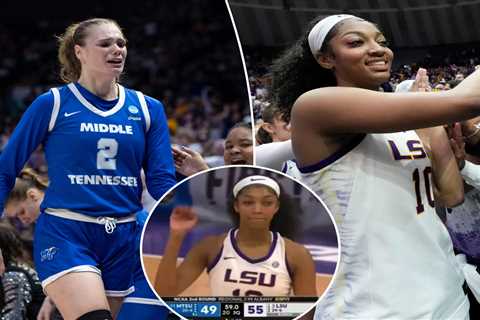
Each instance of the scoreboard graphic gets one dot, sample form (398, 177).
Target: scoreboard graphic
(309, 224)
(237, 308)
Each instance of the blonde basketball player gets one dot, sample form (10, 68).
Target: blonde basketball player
(249, 260)
(355, 149)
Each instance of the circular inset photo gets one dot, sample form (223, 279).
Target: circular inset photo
(240, 241)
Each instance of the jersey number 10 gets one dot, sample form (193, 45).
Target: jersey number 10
(417, 177)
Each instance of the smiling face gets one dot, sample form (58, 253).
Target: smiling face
(104, 50)
(256, 205)
(358, 55)
(238, 147)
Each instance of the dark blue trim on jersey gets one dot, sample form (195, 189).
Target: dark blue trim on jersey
(215, 261)
(334, 156)
(248, 259)
(285, 165)
(99, 103)
(148, 150)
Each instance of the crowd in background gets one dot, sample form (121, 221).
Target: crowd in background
(188, 59)
(180, 54)
(184, 54)
(446, 66)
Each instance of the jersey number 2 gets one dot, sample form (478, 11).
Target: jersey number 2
(107, 151)
(427, 172)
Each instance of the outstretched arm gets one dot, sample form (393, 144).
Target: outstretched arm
(172, 280)
(274, 154)
(325, 119)
(338, 110)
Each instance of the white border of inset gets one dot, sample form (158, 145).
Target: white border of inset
(244, 64)
(258, 168)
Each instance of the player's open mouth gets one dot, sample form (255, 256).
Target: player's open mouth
(239, 161)
(115, 62)
(377, 64)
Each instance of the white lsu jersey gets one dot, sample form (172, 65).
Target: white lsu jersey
(397, 259)
(290, 168)
(234, 274)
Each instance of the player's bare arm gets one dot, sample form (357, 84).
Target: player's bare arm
(354, 110)
(447, 181)
(182, 220)
(196, 260)
(303, 269)
(172, 280)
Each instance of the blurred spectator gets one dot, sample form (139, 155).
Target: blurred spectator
(239, 145)
(238, 150)
(444, 64)
(273, 128)
(20, 287)
(184, 53)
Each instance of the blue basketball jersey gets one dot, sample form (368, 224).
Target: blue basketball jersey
(95, 150)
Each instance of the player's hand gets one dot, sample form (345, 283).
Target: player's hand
(183, 219)
(179, 156)
(46, 310)
(471, 131)
(457, 143)
(188, 161)
(421, 83)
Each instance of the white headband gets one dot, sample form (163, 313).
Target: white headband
(248, 181)
(321, 29)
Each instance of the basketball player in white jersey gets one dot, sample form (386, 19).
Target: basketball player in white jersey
(354, 148)
(249, 260)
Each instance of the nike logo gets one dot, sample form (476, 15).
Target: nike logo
(66, 114)
(226, 258)
(257, 179)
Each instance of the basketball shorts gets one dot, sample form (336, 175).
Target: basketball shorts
(142, 304)
(64, 245)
